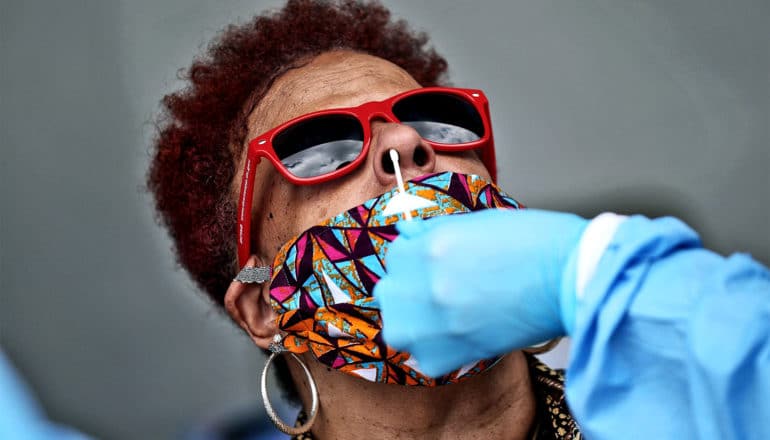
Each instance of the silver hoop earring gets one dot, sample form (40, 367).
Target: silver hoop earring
(276, 349)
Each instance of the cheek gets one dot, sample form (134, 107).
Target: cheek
(320, 202)
(272, 219)
(312, 207)
(466, 162)
(289, 210)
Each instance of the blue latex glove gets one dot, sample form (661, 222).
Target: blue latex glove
(465, 287)
(20, 415)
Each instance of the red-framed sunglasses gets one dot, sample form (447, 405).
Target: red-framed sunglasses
(327, 144)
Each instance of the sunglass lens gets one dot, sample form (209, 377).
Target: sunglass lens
(441, 117)
(319, 146)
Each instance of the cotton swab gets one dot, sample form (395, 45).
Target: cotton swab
(399, 179)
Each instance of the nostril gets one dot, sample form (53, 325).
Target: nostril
(387, 165)
(420, 156)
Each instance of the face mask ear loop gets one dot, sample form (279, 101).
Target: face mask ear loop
(399, 179)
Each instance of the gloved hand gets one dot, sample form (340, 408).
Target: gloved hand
(465, 287)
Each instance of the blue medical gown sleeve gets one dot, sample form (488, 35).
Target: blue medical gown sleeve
(671, 340)
(20, 415)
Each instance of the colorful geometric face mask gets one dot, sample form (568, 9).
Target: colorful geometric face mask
(323, 279)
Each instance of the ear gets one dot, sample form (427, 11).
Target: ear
(249, 306)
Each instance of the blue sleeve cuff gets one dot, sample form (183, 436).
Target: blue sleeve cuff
(583, 262)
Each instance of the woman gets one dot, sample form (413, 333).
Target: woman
(256, 95)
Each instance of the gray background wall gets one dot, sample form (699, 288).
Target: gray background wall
(649, 106)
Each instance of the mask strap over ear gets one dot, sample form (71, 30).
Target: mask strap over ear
(254, 275)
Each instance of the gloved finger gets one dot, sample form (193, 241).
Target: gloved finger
(410, 229)
(468, 320)
(405, 259)
(403, 332)
(400, 308)
(388, 298)
(407, 323)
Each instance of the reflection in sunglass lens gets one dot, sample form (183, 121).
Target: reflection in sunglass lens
(320, 145)
(441, 118)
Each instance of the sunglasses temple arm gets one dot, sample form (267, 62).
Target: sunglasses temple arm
(488, 155)
(243, 226)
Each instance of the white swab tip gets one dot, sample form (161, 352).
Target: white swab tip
(393, 155)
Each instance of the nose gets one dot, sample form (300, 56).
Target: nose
(415, 156)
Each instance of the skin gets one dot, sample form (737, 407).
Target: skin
(497, 404)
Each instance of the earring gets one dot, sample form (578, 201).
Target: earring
(256, 275)
(276, 349)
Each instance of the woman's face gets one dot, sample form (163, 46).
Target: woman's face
(331, 80)
(282, 210)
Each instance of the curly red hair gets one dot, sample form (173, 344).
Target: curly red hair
(202, 127)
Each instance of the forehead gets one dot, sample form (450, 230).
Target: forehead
(330, 80)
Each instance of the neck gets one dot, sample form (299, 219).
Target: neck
(496, 404)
